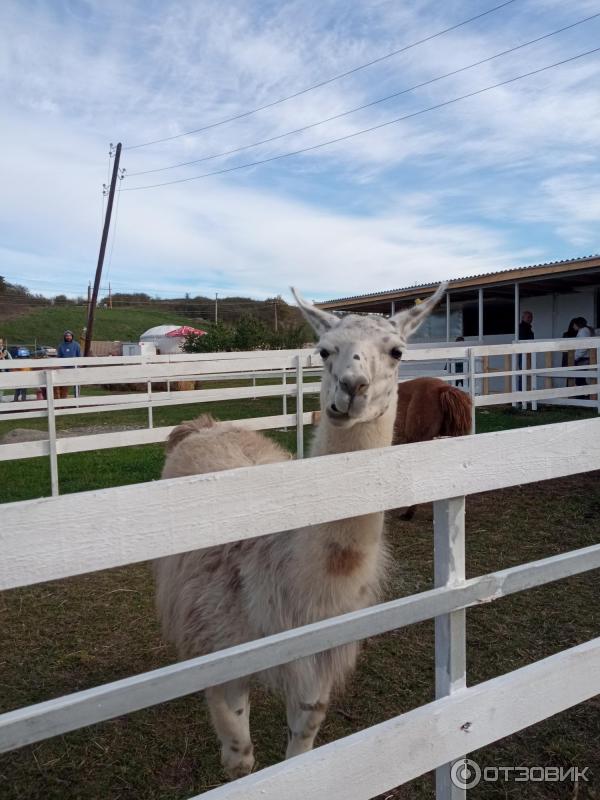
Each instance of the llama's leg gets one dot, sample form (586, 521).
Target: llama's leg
(229, 706)
(304, 719)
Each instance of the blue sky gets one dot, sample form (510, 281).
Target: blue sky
(507, 178)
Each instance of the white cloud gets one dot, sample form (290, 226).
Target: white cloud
(440, 195)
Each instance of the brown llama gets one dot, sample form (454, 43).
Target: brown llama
(221, 596)
(429, 408)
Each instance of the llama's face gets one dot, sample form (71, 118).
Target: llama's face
(360, 357)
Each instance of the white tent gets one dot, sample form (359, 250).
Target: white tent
(163, 343)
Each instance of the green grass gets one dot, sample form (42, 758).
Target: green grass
(102, 468)
(119, 466)
(63, 636)
(501, 418)
(68, 635)
(46, 325)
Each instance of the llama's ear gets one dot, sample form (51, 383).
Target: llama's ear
(320, 321)
(408, 321)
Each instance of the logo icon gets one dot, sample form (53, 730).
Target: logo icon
(465, 773)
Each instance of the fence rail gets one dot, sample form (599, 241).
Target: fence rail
(287, 370)
(152, 520)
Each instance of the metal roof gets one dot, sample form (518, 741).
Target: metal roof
(456, 282)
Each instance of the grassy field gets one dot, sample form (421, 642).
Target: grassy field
(102, 468)
(46, 325)
(68, 635)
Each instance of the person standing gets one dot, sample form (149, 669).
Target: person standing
(68, 348)
(582, 357)
(21, 393)
(459, 366)
(570, 333)
(525, 329)
(4, 356)
(525, 333)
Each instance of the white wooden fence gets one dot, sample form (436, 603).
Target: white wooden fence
(124, 525)
(280, 367)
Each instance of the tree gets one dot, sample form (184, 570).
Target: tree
(218, 338)
(249, 333)
(252, 334)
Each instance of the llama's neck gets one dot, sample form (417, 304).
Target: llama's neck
(361, 534)
(330, 439)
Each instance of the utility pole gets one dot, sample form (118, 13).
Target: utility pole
(216, 307)
(89, 299)
(109, 297)
(111, 196)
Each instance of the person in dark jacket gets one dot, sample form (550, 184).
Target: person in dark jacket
(68, 348)
(525, 329)
(570, 333)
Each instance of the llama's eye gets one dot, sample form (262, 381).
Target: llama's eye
(396, 353)
(324, 354)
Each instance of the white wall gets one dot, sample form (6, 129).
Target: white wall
(541, 308)
(578, 304)
(552, 313)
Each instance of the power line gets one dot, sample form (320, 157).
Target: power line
(324, 82)
(102, 208)
(366, 105)
(365, 130)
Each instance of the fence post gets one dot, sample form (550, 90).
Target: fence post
(450, 629)
(598, 377)
(52, 433)
(150, 409)
(299, 409)
(513, 366)
(507, 378)
(485, 367)
(525, 362)
(472, 387)
(534, 380)
(548, 364)
(284, 384)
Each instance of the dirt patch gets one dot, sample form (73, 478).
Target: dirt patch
(32, 435)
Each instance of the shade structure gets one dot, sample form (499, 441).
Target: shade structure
(186, 330)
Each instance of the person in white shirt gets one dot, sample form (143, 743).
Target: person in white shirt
(582, 357)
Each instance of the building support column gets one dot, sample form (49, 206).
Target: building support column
(447, 316)
(480, 322)
(392, 308)
(515, 362)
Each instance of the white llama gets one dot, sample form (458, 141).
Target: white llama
(221, 596)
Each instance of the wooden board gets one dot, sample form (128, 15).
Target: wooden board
(107, 528)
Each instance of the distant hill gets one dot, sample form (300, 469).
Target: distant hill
(46, 325)
(27, 318)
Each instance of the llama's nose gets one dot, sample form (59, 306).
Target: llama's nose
(354, 384)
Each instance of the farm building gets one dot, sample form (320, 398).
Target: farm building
(488, 307)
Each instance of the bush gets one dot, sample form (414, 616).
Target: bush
(218, 338)
(249, 333)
